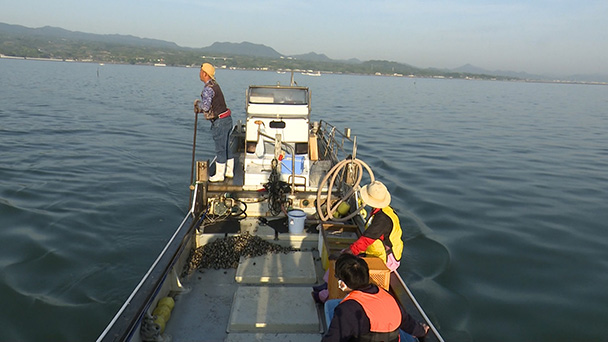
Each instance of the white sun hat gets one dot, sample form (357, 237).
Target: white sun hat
(376, 195)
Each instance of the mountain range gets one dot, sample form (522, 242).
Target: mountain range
(468, 68)
(222, 48)
(260, 50)
(56, 32)
(8, 33)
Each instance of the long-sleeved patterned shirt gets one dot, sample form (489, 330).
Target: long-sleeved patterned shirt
(206, 96)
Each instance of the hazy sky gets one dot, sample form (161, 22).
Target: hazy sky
(536, 36)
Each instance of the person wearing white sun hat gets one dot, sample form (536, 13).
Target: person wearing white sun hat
(382, 235)
(381, 238)
(375, 195)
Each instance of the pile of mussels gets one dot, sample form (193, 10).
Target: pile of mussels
(226, 252)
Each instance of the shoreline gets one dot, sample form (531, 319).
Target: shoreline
(319, 72)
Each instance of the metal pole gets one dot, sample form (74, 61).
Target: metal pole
(193, 156)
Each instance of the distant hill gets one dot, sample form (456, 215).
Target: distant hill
(243, 49)
(468, 68)
(313, 56)
(56, 32)
(58, 43)
(260, 50)
(316, 57)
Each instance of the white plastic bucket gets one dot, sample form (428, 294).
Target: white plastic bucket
(296, 220)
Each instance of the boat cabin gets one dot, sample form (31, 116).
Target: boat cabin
(277, 127)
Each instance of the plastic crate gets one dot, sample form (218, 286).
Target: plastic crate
(379, 274)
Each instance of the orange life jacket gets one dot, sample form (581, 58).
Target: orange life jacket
(383, 313)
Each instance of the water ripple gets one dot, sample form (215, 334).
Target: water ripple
(500, 186)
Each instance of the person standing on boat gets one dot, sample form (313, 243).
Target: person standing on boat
(368, 312)
(213, 106)
(382, 235)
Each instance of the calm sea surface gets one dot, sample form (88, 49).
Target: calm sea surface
(502, 189)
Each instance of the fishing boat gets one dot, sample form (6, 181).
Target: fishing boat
(241, 264)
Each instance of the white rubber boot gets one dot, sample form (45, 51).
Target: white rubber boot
(230, 168)
(220, 168)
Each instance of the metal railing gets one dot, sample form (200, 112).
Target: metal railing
(336, 140)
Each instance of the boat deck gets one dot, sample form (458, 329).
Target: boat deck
(266, 298)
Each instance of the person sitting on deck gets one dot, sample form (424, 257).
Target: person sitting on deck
(382, 235)
(368, 312)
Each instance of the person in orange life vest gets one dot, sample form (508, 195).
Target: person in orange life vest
(382, 235)
(213, 105)
(368, 312)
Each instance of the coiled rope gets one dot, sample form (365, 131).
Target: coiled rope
(333, 174)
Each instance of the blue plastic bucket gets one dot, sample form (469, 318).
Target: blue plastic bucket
(296, 220)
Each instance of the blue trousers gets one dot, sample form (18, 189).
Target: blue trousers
(220, 130)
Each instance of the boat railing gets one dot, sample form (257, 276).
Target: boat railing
(337, 140)
(131, 314)
(401, 290)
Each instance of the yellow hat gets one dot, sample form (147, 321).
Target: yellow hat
(209, 69)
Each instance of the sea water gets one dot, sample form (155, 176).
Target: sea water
(501, 188)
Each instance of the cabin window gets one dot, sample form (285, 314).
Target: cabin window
(293, 96)
(277, 124)
(250, 146)
(302, 148)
